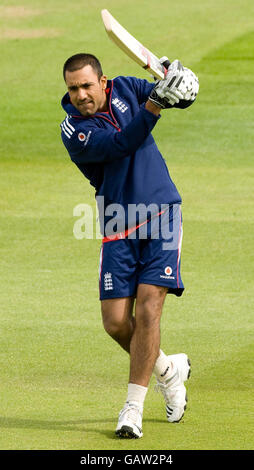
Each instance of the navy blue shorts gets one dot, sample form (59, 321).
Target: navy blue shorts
(150, 255)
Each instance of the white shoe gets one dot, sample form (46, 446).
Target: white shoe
(130, 421)
(173, 388)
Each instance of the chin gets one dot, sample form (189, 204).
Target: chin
(87, 112)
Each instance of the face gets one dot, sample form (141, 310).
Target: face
(87, 92)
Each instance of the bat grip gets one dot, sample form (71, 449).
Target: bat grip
(166, 64)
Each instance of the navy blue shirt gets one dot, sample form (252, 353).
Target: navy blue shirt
(116, 151)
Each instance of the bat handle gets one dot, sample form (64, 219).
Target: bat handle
(164, 67)
(166, 64)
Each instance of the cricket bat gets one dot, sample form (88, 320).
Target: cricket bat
(133, 48)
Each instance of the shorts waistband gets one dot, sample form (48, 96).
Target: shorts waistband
(125, 233)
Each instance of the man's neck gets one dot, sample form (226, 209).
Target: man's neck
(104, 107)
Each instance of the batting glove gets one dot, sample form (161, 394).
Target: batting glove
(166, 92)
(189, 88)
(179, 88)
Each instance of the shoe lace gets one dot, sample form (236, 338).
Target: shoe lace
(161, 387)
(132, 411)
(168, 391)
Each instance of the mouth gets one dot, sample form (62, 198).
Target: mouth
(86, 108)
(85, 103)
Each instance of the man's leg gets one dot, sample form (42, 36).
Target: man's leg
(140, 336)
(145, 341)
(118, 320)
(119, 323)
(144, 351)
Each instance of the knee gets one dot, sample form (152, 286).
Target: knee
(148, 312)
(112, 327)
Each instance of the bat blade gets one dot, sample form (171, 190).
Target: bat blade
(133, 48)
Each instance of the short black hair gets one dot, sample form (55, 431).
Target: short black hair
(78, 61)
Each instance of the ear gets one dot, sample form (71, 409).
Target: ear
(104, 82)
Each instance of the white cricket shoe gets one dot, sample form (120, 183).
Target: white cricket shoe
(130, 421)
(173, 388)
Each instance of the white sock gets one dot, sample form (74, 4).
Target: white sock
(163, 367)
(136, 394)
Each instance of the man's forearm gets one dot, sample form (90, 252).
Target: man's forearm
(152, 108)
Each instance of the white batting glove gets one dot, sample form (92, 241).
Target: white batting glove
(189, 86)
(167, 91)
(179, 88)
(170, 86)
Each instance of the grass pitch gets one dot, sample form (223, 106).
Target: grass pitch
(62, 379)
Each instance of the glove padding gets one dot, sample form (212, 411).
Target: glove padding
(189, 88)
(166, 91)
(179, 89)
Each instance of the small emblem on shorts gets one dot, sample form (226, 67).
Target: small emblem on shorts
(168, 271)
(108, 283)
(81, 137)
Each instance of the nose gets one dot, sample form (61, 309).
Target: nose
(82, 94)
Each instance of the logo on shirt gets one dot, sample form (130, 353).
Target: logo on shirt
(108, 283)
(119, 105)
(81, 137)
(84, 138)
(67, 128)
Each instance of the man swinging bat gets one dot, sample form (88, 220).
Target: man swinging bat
(107, 133)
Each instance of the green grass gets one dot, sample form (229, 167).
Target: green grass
(62, 380)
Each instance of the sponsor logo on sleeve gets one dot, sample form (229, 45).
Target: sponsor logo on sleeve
(84, 137)
(81, 137)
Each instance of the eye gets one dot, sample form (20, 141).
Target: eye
(86, 85)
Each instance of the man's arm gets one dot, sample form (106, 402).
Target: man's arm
(153, 108)
(105, 145)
